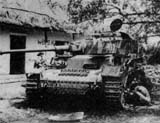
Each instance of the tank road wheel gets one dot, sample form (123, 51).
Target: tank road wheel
(32, 94)
(124, 103)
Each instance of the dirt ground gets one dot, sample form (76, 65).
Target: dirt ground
(15, 109)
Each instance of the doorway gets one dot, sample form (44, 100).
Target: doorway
(17, 60)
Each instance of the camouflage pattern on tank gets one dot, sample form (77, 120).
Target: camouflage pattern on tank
(105, 64)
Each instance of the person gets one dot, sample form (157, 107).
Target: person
(143, 95)
(40, 61)
(60, 63)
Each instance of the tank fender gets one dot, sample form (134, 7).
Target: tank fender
(114, 71)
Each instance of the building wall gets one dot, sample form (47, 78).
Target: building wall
(4, 45)
(34, 40)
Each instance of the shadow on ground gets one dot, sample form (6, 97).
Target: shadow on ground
(96, 111)
(70, 103)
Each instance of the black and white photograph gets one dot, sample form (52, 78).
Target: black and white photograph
(79, 61)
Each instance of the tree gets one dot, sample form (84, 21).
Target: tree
(141, 16)
(81, 11)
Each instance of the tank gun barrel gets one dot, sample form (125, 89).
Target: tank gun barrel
(55, 48)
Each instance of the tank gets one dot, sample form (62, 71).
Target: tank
(106, 65)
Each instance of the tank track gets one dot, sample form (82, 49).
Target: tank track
(112, 89)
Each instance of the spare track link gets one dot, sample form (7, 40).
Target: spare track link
(112, 89)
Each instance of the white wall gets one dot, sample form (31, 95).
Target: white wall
(31, 43)
(4, 45)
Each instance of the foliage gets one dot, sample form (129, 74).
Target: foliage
(153, 54)
(141, 16)
(79, 11)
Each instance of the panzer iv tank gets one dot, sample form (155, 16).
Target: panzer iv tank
(103, 67)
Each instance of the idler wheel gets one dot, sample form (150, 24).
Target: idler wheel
(124, 103)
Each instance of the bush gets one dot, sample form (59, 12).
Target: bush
(154, 54)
